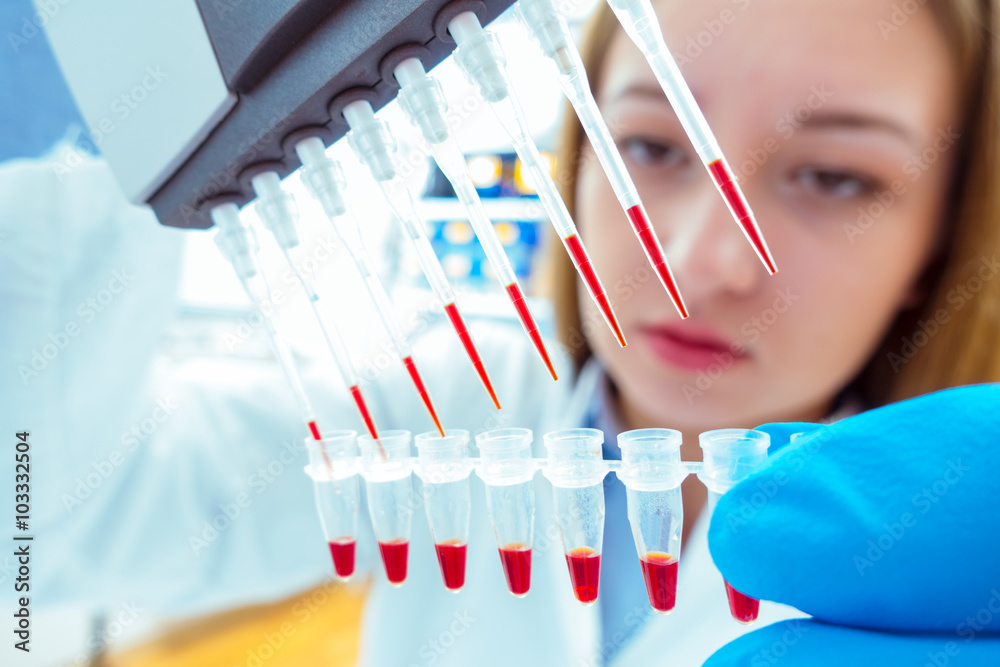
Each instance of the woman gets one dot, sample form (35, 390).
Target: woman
(866, 142)
(871, 170)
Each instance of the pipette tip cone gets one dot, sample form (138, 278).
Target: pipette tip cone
(458, 323)
(418, 382)
(585, 268)
(366, 416)
(654, 252)
(752, 232)
(314, 430)
(669, 284)
(609, 316)
(528, 322)
(737, 204)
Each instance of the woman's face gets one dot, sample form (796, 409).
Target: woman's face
(839, 118)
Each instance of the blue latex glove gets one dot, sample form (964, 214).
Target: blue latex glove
(887, 522)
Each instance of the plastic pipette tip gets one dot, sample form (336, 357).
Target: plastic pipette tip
(458, 323)
(366, 416)
(529, 324)
(654, 252)
(586, 270)
(727, 185)
(418, 382)
(314, 429)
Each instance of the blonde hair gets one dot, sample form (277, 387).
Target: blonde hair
(963, 350)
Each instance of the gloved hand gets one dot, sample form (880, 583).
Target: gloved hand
(887, 522)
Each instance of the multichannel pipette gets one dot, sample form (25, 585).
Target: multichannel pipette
(642, 26)
(371, 141)
(422, 98)
(549, 29)
(239, 245)
(277, 219)
(479, 55)
(276, 209)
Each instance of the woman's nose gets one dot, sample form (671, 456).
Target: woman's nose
(707, 249)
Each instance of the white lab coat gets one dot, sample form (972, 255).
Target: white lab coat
(209, 507)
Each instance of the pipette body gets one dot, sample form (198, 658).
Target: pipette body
(422, 98)
(549, 29)
(482, 60)
(373, 144)
(643, 27)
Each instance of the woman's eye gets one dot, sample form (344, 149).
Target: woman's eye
(834, 184)
(651, 153)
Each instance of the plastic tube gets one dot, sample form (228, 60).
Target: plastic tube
(576, 471)
(443, 466)
(652, 473)
(730, 456)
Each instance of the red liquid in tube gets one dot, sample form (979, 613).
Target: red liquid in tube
(394, 557)
(660, 572)
(516, 559)
(451, 558)
(342, 550)
(743, 607)
(584, 573)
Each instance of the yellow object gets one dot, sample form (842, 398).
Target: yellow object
(318, 628)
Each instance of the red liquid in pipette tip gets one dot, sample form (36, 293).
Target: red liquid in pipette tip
(737, 204)
(654, 251)
(659, 569)
(516, 559)
(342, 550)
(418, 382)
(458, 323)
(528, 321)
(584, 573)
(743, 607)
(314, 429)
(451, 558)
(359, 400)
(586, 269)
(394, 557)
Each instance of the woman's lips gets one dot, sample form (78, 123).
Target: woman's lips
(691, 348)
